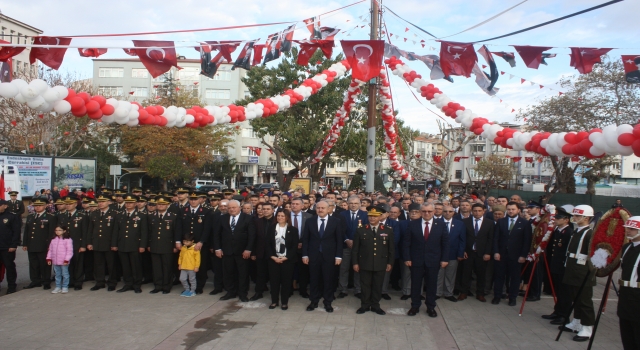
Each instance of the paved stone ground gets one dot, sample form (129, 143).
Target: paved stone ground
(36, 319)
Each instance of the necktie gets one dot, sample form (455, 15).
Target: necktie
(102, 214)
(353, 217)
(321, 230)
(193, 211)
(295, 220)
(426, 231)
(511, 223)
(374, 230)
(69, 214)
(448, 223)
(476, 227)
(233, 223)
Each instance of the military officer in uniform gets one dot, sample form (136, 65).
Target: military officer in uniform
(61, 208)
(129, 241)
(150, 211)
(629, 297)
(136, 191)
(578, 268)
(162, 245)
(196, 221)
(10, 225)
(372, 256)
(557, 252)
(101, 230)
(183, 200)
(38, 231)
(78, 226)
(141, 205)
(118, 196)
(15, 206)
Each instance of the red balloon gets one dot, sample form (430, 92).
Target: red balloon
(582, 135)
(636, 131)
(107, 109)
(567, 149)
(152, 110)
(198, 118)
(242, 117)
(95, 114)
(93, 106)
(636, 147)
(71, 94)
(76, 103)
(570, 138)
(159, 110)
(142, 114)
(162, 121)
(626, 139)
(80, 112)
(101, 100)
(85, 96)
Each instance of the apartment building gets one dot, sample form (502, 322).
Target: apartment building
(17, 32)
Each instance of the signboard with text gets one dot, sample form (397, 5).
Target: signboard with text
(77, 173)
(34, 172)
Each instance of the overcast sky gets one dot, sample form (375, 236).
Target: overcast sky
(616, 26)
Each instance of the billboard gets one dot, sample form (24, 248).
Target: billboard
(34, 172)
(75, 172)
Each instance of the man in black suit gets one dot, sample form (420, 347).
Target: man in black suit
(511, 244)
(479, 244)
(233, 239)
(322, 251)
(260, 252)
(425, 247)
(299, 220)
(404, 212)
(195, 220)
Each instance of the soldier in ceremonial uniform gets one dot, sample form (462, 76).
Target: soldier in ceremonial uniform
(61, 207)
(578, 268)
(10, 225)
(15, 206)
(150, 210)
(101, 230)
(163, 231)
(183, 201)
(557, 252)
(85, 205)
(141, 205)
(38, 231)
(629, 297)
(214, 201)
(195, 220)
(129, 241)
(118, 196)
(228, 194)
(372, 256)
(136, 191)
(78, 228)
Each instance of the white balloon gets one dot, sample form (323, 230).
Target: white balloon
(132, 122)
(8, 90)
(39, 85)
(19, 83)
(122, 120)
(189, 119)
(108, 119)
(624, 129)
(36, 102)
(170, 124)
(181, 111)
(120, 112)
(133, 115)
(51, 95)
(115, 103)
(62, 107)
(19, 98)
(62, 91)
(45, 107)
(625, 150)
(29, 92)
(135, 107)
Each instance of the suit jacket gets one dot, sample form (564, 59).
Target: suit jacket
(395, 226)
(260, 249)
(78, 225)
(402, 216)
(130, 233)
(38, 232)
(101, 229)
(310, 211)
(557, 248)
(514, 244)
(404, 227)
(236, 242)
(457, 239)
(291, 239)
(459, 216)
(16, 207)
(198, 224)
(163, 232)
(484, 239)
(352, 225)
(430, 253)
(331, 241)
(373, 252)
(302, 223)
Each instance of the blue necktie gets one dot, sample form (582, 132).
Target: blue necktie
(321, 232)
(233, 223)
(477, 228)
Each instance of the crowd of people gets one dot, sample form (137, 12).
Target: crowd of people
(321, 246)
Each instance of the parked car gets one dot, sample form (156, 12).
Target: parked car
(263, 186)
(220, 187)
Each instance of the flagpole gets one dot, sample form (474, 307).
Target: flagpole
(371, 122)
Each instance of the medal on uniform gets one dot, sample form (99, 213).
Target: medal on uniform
(76, 224)
(168, 228)
(359, 223)
(199, 220)
(135, 225)
(41, 225)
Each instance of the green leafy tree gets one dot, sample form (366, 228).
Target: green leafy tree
(356, 182)
(222, 169)
(494, 172)
(168, 167)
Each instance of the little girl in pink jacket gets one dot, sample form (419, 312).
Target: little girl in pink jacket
(59, 255)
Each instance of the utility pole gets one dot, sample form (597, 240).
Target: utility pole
(371, 122)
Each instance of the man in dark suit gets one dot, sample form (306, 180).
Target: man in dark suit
(129, 240)
(464, 211)
(386, 220)
(299, 220)
(426, 250)
(479, 244)
(195, 220)
(9, 242)
(101, 230)
(260, 252)
(354, 218)
(163, 230)
(332, 196)
(233, 240)
(15, 206)
(404, 210)
(511, 244)
(322, 250)
(457, 245)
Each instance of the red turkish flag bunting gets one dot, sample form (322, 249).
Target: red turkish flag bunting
(308, 48)
(457, 58)
(48, 56)
(6, 52)
(258, 150)
(583, 58)
(478, 159)
(437, 159)
(516, 159)
(631, 68)
(528, 159)
(92, 52)
(365, 57)
(456, 159)
(157, 56)
(257, 54)
(531, 55)
(130, 52)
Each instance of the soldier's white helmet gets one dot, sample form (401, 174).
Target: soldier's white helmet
(633, 222)
(568, 208)
(583, 210)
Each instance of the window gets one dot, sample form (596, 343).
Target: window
(111, 73)
(529, 165)
(223, 74)
(458, 174)
(472, 173)
(247, 152)
(547, 164)
(13, 33)
(216, 152)
(139, 73)
(218, 94)
(249, 133)
(636, 166)
(3, 29)
(191, 88)
(472, 160)
(477, 148)
(331, 166)
(353, 164)
(273, 163)
(340, 165)
(110, 90)
(140, 91)
(615, 166)
(246, 168)
(189, 74)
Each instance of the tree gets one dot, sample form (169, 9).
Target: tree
(494, 172)
(222, 168)
(356, 182)
(592, 100)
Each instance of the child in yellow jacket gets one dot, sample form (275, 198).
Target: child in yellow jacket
(188, 264)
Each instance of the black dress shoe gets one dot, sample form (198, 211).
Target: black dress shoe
(379, 311)
(362, 310)
(32, 286)
(46, 287)
(244, 299)
(558, 321)
(422, 297)
(284, 307)
(137, 290)
(256, 296)
(521, 293)
(312, 306)
(304, 295)
(432, 313)
(215, 291)
(565, 329)
(452, 298)
(123, 289)
(166, 291)
(437, 297)
(386, 296)
(227, 297)
(11, 290)
(580, 339)
(342, 295)
(155, 291)
(77, 288)
(495, 301)
(273, 306)
(96, 287)
(413, 311)
(198, 292)
(532, 298)
(328, 308)
(111, 289)
(405, 297)
(512, 302)
(358, 295)
(553, 316)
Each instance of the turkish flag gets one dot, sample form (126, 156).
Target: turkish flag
(583, 58)
(6, 52)
(49, 57)
(457, 58)
(244, 58)
(257, 54)
(456, 159)
(531, 55)
(258, 150)
(308, 48)
(157, 56)
(91, 52)
(631, 68)
(478, 159)
(365, 57)
(130, 52)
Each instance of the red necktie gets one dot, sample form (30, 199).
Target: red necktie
(426, 231)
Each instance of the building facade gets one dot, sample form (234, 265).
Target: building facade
(17, 32)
